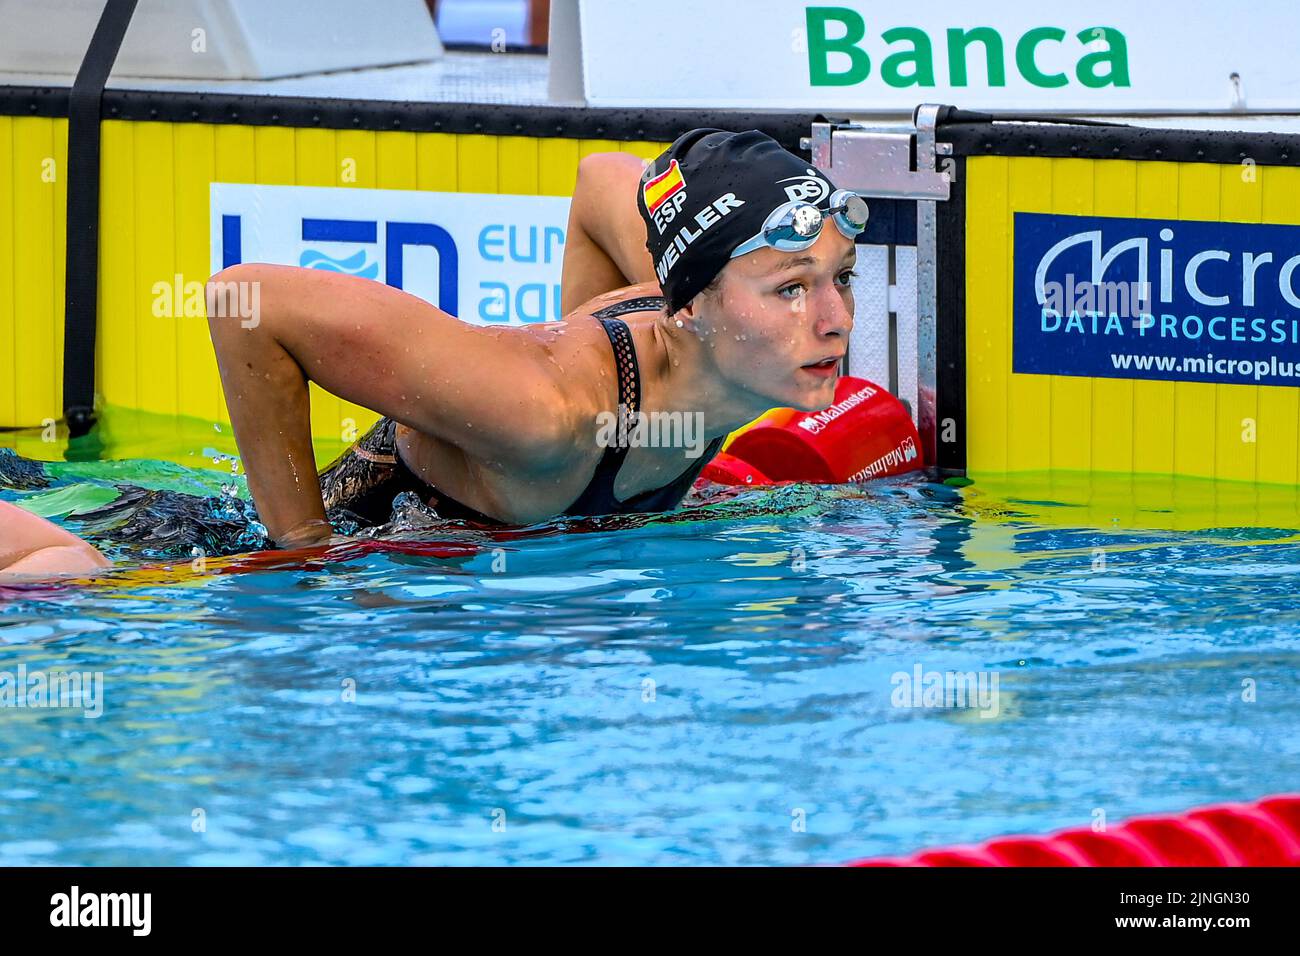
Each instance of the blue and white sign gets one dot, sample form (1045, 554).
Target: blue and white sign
(482, 257)
(1165, 299)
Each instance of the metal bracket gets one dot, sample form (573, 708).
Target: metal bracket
(899, 163)
(879, 162)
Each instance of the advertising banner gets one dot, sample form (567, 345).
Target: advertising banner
(482, 257)
(1105, 55)
(1164, 299)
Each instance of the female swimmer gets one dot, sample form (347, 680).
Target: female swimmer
(703, 284)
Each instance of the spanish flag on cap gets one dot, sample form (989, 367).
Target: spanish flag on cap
(667, 184)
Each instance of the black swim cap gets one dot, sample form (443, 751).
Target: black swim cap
(710, 191)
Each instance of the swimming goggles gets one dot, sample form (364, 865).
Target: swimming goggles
(794, 226)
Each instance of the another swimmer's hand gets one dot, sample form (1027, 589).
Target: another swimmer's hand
(32, 546)
(49, 562)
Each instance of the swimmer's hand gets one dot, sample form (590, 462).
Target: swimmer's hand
(314, 532)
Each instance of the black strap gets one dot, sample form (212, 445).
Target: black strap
(598, 497)
(642, 303)
(629, 374)
(81, 286)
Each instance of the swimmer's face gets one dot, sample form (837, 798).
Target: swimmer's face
(779, 322)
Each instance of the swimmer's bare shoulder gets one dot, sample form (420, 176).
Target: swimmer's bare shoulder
(494, 392)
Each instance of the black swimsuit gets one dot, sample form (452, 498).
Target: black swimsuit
(368, 476)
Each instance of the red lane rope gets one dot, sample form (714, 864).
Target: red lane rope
(1264, 833)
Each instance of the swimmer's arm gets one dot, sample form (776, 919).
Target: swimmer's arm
(604, 247)
(32, 546)
(491, 391)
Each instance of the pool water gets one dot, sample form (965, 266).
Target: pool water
(716, 686)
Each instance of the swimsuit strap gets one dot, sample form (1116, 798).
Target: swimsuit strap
(629, 400)
(642, 303)
(598, 497)
(629, 372)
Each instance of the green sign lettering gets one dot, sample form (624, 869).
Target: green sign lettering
(1025, 57)
(960, 40)
(1116, 55)
(920, 56)
(820, 46)
(913, 63)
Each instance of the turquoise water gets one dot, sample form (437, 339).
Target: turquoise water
(713, 687)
